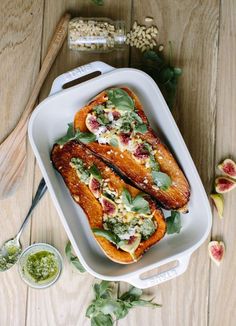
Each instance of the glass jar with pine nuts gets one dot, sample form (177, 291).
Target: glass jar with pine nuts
(96, 34)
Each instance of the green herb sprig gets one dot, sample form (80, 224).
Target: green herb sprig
(120, 99)
(72, 134)
(163, 72)
(73, 259)
(95, 172)
(98, 2)
(105, 309)
(173, 223)
(137, 204)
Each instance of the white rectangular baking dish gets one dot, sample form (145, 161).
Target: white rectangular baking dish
(49, 122)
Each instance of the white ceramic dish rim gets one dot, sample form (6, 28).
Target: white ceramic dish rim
(131, 277)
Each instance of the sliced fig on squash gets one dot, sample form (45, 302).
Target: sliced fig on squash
(132, 244)
(224, 184)
(141, 152)
(228, 166)
(216, 251)
(94, 186)
(116, 114)
(218, 201)
(109, 207)
(124, 138)
(91, 123)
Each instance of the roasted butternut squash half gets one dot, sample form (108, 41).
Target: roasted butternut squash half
(124, 138)
(125, 221)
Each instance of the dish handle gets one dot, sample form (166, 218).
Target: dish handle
(78, 72)
(162, 277)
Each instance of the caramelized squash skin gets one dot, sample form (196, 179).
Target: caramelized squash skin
(176, 197)
(61, 157)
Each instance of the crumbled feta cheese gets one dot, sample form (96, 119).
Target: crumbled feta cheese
(102, 140)
(100, 131)
(110, 116)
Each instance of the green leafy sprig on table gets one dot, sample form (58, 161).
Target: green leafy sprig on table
(163, 72)
(98, 2)
(73, 259)
(105, 309)
(72, 134)
(173, 223)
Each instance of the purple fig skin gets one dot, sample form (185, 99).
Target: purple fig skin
(228, 166)
(216, 250)
(224, 184)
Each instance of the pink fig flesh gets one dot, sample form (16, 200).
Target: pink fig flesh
(141, 152)
(216, 251)
(124, 138)
(91, 123)
(109, 207)
(94, 186)
(218, 201)
(228, 166)
(224, 184)
(116, 115)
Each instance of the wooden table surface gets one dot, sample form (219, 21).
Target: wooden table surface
(204, 38)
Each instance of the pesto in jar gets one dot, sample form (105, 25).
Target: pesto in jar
(41, 266)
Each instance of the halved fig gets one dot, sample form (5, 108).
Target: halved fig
(228, 166)
(216, 251)
(124, 138)
(132, 244)
(109, 207)
(94, 186)
(141, 152)
(224, 184)
(116, 114)
(218, 201)
(91, 123)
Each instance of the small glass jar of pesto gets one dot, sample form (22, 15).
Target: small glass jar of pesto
(40, 265)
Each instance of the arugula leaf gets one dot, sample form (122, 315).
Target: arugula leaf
(142, 128)
(101, 320)
(154, 164)
(90, 310)
(162, 71)
(102, 119)
(173, 223)
(70, 134)
(131, 295)
(121, 100)
(98, 109)
(98, 2)
(73, 259)
(104, 307)
(84, 137)
(126, 197)
(110, 236)
(95, 172)
(138, 204)
(102, 290)
(162, 180)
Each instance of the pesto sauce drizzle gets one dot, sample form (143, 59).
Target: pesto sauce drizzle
(41, 266)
